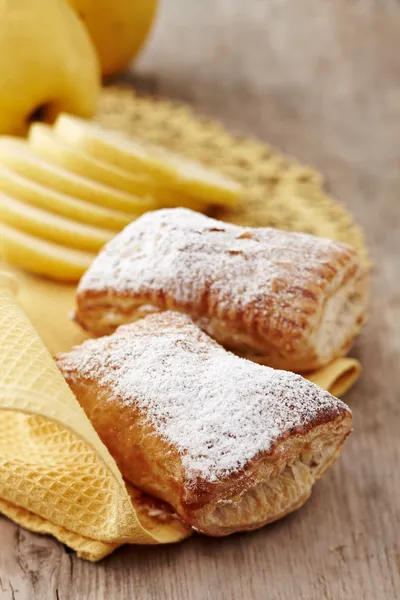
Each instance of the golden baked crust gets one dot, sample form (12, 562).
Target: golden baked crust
(289, 300)
(229, 444)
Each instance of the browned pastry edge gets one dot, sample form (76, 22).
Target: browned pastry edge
(294, 466)
(101, 312)
(270, 486)
(295, 326)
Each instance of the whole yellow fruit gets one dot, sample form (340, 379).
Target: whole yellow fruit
(48, 64)
(118, 28)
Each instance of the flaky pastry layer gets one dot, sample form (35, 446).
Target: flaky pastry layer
(287, 300)
(229, 444)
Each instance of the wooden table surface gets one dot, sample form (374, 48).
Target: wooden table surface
(321, 80)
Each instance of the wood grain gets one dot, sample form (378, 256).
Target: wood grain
(319, 79)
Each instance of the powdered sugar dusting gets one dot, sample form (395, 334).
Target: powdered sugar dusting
(217, 409)
(186, 254)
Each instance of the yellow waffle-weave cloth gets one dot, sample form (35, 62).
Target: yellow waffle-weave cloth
(56, 476)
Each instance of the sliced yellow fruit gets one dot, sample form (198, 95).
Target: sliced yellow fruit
(136, 156)
(42, 257)
(47, 144)
(49, 226)
(20, 158)
(52, 148)
(40, 196)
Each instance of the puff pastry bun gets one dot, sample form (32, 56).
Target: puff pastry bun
(230, 444)
(288, 300)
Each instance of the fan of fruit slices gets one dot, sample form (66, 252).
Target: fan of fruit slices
(70, 187)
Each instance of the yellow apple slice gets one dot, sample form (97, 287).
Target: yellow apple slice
(42, 257)
(172, 169)
(40, 196)
(49, 226)
(20, 158)
(47, 144)
(52, 148)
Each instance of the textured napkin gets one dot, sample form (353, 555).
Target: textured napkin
(56, 476)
